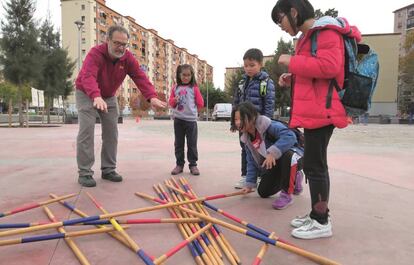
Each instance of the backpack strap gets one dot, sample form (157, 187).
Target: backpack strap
(314, 46)
(333, 83)
(263, 87)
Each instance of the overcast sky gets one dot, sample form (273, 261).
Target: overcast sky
(220, 31)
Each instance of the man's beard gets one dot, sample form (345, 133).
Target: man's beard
(113, 54)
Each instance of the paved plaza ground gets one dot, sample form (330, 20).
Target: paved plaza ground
(372, 193)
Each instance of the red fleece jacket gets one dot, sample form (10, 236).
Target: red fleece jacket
(101, 76)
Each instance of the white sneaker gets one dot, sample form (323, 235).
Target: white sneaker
(241, 183)
(298, 221)
(312, 230)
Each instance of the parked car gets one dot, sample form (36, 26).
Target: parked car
(222, 111)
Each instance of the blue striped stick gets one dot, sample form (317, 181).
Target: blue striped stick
(194, 247)
(274, 242)
(190, 193)
(94, 218)
(69, 241)
(205, 242)
(82, 214)
(230, 252)
(55, 236)
(208, 233)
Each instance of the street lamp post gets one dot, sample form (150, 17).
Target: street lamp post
(79, 24)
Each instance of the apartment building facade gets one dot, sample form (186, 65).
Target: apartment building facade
(403, 24)
(158, 57)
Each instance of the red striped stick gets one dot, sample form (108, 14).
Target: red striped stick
(140, 252)
(192, 248)
(184, 243)
(201, 247)
(262, 251)
(224, 243)
(196, 206)
(93, 218)
(35, 205)
(204, 241)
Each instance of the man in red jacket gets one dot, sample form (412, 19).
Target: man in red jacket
(103, 71)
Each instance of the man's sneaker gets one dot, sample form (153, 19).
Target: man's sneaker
(177, 170)
(112, 176)
(282, 201)
(87, 181)
(298, 221)
(298, 183)
(240, 184)
(313, 230)
(194, 170)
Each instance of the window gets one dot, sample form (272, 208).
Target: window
(410, 12)
(83, 52)
(83, 41)
(83, 7)
(83, 18)
(410, 23)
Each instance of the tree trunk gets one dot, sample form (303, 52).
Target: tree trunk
(27, 113)
(48, 109)
(10, 112)
(20, 104)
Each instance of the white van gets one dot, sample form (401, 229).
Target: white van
(222, 111)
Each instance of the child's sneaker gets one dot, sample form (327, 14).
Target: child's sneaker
(283, 200)
(298, 183)
(312, 230)
(298, 221)
(240, 184)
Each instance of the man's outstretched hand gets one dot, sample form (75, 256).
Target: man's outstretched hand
(158, 104)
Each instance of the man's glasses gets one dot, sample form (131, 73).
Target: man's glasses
(120, 44)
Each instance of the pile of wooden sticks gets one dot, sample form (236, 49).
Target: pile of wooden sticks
(201, 232)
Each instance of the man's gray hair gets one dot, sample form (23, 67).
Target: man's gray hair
(118, 28)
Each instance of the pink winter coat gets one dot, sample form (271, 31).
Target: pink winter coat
(312, 75)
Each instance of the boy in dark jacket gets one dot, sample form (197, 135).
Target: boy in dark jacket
(257, 88)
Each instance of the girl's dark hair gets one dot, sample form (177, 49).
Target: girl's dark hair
(180, 69)
(254, 54)
(303, 7)
(248, 112)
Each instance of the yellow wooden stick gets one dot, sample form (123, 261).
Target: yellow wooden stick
(82, 214)
(78, 253)
(228, 249)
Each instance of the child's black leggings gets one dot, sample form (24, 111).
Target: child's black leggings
(277, 178)
(315, 167)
